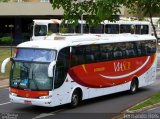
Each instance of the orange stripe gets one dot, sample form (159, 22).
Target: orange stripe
(28, 93)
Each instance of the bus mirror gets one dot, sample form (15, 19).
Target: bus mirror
(4, 63)
(50, 69)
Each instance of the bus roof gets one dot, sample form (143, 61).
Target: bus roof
(127, 22)
(45, 22)
(58, 42)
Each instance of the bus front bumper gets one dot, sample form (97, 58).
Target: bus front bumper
(31, 101)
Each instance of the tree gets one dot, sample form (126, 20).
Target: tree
(145, 7)
(95, 10)
(4, 0)
(99, 10)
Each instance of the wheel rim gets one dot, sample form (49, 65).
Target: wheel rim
(134, 87)
(75, 100)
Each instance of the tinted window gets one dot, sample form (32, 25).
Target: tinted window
(106, 52)
(141, 29)
(111, 51)
(126, 28)
(39, 55)
(53, 28)
(85, 28)
(62, 66)
(112, 29)
(78, 55)
(97, 29)
(144, 29)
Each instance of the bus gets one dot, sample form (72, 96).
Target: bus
(54, 26)
(73, 68)
(42, 28)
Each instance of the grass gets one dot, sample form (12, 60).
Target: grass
(155, 99)
(5, 53)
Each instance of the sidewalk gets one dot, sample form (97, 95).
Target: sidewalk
(4, 83)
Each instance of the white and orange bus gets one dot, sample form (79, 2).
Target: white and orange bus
(70, 69)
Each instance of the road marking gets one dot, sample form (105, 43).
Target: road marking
(152, 109)
(4, 103)
(47, 114)
(42, 115)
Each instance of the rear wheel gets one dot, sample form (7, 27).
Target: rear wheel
(75, 99)
(134, 86)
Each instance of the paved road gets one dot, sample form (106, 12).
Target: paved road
(99, 108)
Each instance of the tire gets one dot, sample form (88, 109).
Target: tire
(134, 86)
(75, 99)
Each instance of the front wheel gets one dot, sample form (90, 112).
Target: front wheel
(75, 99)
(134, 86)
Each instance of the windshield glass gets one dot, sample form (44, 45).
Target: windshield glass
(40, 30)
(36, 55)
(33, 76)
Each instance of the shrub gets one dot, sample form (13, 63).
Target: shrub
(7, 40)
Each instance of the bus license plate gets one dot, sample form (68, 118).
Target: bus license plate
(27, 102)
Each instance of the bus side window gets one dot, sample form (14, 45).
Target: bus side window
(117, 53)
(53, 28)
(97, 29)
(104, 56)
(130, 50)
(153, 46)
(137, 29)
(144, 48)
(150, 47)
(74, 60)
(78, 55)
(86, 28)
(144, 29)
(106, 52)
(112, 28)
(70, 29)
(62, 66)
(125, 28)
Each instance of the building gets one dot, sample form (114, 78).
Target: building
(17, 17)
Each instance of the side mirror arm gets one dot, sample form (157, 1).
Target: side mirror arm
(4, 63)
(50, 69)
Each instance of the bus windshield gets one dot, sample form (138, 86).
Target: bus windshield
(33, 76)
(30, 69)
(36, 55)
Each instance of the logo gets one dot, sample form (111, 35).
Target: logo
(122, 66)
(27, 95)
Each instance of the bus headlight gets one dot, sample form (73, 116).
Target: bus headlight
(13, 94)
(45, 97)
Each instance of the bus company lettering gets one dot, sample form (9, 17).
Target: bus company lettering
(122, 66)
(99, 69)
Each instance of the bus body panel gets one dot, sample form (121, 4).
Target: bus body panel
(111, 73)
(63, 94)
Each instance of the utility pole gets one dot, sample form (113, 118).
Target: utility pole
(11, 27)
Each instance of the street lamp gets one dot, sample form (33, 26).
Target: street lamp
(11, 28)
(80, 1)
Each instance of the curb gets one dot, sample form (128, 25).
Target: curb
(144, 108)
(121, 115)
